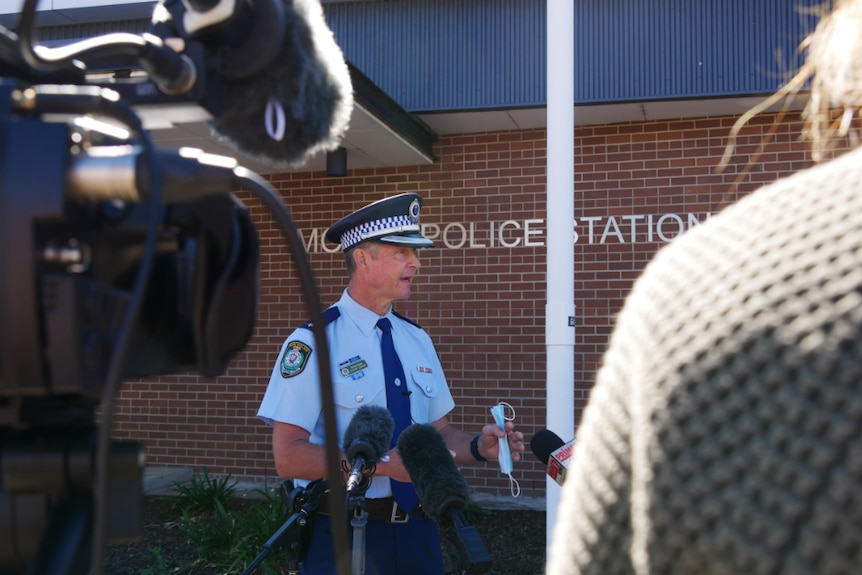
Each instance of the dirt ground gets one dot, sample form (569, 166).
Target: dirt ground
(515, 540)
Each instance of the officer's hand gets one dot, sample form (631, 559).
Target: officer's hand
(391, 466)
(489, 446)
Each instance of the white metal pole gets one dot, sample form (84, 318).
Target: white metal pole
(560, 307)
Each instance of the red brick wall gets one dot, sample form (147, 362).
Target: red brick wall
(481, 299)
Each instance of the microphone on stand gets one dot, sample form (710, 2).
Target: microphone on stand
(443, 492)
(553, 452)
(366, 441)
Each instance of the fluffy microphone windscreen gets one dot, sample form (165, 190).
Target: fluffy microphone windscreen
(310, 80)
(432, 469)
(545, 442)
(369, 433)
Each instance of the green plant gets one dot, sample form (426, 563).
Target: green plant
(230, 539)
(202, 494)
(215, 535)
(474, 511)
(157, 564)
(262, 519)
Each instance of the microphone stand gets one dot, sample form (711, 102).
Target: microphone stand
(356, 501)
(358, 522)
(297, 529)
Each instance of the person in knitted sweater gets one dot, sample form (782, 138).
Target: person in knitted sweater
(723, 435)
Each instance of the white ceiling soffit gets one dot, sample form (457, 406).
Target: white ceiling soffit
(370, 143)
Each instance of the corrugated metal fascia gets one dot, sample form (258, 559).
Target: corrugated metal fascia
(482, 54)
(443, 54)
(641, 50)
(667, 49)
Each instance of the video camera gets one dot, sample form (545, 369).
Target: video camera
(121, 260)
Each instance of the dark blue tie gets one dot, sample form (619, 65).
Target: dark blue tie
(398, 403)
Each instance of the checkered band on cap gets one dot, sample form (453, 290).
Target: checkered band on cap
(377, 228)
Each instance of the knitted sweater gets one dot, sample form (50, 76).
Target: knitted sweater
(724, 431)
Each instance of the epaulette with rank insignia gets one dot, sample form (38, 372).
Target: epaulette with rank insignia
(407, 319)
(329, 315)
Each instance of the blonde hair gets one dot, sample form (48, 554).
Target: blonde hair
(835, 62)
(833, 65)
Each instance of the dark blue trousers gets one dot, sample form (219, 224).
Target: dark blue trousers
(390, 548)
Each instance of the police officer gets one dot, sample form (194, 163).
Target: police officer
(380, 243)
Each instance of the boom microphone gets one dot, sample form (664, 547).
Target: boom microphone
(275, 81)
(366, 441)
(443, 492)
(553, 452)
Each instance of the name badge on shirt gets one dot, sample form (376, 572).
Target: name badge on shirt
(354, 368)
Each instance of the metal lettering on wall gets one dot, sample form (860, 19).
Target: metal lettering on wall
(625, 229)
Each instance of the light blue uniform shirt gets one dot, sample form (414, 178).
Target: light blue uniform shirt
(293, 393)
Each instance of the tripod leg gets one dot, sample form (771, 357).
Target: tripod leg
(23, 519)
(65, 546)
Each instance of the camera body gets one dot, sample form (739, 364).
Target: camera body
(70, 268)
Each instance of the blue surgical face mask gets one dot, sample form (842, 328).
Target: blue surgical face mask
(505, 457)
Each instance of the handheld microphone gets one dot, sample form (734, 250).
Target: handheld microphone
(553, 452)
(443, 492)
(366, 441)
(274, 79)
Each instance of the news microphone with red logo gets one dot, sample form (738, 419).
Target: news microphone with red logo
(553, 452)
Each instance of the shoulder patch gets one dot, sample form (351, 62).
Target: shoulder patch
(329, 315)
(294, 358)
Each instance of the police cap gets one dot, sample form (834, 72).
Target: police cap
(393, 220)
